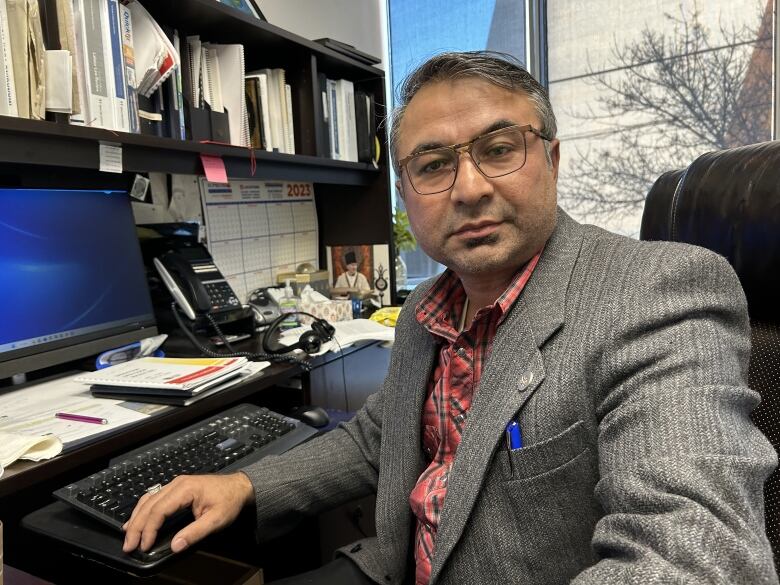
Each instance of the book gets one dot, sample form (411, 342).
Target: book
(249, 370)
(7, 82)
(290, 123)
(95, 64)
(16, 18)
(117, 59)
(323, 121)
(15, 446)
(255, 112)
(168, 374)
(126, 30)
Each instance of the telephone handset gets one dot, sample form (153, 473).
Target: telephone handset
(195, 295)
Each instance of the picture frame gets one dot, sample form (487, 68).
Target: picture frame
(373, 263)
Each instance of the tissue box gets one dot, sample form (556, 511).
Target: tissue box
(331, 311)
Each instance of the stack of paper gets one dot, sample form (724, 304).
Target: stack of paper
(164, 376)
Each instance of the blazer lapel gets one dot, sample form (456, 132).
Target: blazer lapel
(510, 377)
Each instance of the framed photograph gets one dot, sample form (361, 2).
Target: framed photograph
(248, 6)
(360, 269)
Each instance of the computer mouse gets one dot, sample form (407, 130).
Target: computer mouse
(314, 416)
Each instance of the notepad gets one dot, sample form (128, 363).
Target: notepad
(167, 374)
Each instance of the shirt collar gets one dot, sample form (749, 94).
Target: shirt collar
(440, 307)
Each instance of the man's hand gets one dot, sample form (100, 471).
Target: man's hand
(216, 501)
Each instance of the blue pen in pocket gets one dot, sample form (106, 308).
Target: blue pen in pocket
(514, 440)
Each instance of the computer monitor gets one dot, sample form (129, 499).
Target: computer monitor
(73, 282)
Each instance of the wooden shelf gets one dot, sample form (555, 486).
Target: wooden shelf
(63, 145)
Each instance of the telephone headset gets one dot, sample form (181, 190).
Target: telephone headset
(310, 341)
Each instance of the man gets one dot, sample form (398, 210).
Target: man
(562, 404)
(352, 279)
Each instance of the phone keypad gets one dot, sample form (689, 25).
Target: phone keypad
(222, 296)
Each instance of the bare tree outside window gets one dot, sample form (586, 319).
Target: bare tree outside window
(662, 99)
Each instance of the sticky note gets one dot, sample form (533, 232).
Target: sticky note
(214, 168)
(110, 157)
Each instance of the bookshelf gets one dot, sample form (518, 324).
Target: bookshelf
(353, 202)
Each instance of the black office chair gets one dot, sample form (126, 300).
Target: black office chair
(729, 202)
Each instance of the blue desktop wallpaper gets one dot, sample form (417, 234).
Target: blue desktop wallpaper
(68, 260)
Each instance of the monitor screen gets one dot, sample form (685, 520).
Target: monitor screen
(73, 281)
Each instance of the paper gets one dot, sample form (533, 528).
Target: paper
(214, 169)
(31, 409)
(59, 78)
(29, 447)
(110, 157)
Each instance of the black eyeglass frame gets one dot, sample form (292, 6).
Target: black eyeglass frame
(468, 147)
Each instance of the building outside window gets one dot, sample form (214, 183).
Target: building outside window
(421, 29)
(642, 87)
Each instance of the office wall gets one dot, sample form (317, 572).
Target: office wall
(360, 23)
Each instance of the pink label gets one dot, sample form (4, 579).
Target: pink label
(214, 167)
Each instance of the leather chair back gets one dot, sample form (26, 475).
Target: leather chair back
(729, 202)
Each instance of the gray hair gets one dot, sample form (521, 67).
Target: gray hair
(497, 68)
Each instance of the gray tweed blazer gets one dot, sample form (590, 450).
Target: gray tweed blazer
(625, 363)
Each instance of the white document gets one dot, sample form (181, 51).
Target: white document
(32, 448)
(59, 79)
(30, 410)
(110, 157)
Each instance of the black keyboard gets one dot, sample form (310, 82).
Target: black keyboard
(222, 443)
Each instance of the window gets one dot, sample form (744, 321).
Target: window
(419, 30)
(640, 90)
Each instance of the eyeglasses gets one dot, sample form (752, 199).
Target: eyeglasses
(495, 154)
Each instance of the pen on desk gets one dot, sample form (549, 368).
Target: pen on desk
(81, 418)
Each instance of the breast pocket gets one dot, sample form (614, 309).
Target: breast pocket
(545, 456)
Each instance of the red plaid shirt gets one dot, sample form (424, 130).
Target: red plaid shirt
(450, 391)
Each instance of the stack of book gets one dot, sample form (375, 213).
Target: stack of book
(163, 380)
(348, 122)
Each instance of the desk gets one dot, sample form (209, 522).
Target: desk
(27, 486)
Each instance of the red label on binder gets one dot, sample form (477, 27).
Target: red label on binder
(214, 168)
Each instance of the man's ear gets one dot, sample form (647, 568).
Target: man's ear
(399, 188)
(555, 156)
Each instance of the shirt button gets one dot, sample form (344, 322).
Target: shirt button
(461, 352)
